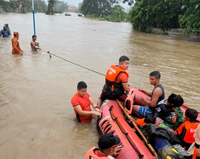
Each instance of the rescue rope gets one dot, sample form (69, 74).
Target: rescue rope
(75, 63)
(68, 60)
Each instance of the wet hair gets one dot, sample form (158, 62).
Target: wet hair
(34, 36)
(156, 74)
(81, 85)
(123, 58)
(176, 100)
(192, 114)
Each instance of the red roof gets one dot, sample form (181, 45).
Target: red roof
(72, 6)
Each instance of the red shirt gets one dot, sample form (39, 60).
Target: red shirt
(85, 105)
(122, 77)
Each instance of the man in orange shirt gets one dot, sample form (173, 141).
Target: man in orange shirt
(81, 102)
(116, 83)
(15, 44)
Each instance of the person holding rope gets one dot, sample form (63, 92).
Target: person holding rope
(15, 44)
(34, 45)
(116, 83)
(81, 102)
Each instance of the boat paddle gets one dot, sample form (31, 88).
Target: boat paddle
(138, 130)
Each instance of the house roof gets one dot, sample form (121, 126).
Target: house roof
(72, 6)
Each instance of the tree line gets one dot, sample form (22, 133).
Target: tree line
(104, 10)
(148, 14)
(23, 6)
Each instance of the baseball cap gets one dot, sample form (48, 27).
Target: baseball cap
(107, 141)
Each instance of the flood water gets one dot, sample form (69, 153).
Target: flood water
(36, 116)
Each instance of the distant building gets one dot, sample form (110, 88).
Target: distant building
(72, 8)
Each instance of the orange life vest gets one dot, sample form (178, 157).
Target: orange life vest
(115, 88)
(141, 122)
(187, 133)
(15, 46)
(91, 155)
(113, 72)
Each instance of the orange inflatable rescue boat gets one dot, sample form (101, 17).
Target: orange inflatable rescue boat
(113, 121)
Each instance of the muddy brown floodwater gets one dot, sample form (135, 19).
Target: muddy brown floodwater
(36, 116)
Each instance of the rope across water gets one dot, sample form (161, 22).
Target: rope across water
(75, 64)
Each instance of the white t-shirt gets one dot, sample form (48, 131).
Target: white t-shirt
(197, 141)
(197, 135)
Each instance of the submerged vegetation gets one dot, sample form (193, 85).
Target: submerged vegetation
(166, 14)
(108, 10)
(148, 14)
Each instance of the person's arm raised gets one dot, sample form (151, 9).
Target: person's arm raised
(79, 110)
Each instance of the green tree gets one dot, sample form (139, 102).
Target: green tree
(61, 7)
(50, 9)
(5, 5)
(98, 7)
(147, 14)
(40, 6)
(23, 6)
(55, 6)
(118, 14)
(190, 20)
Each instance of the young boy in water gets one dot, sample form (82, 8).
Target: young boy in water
(81, 102)
(186, 131)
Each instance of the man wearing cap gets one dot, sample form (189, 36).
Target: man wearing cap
(109, 147)
(15, 44)
(5, 32)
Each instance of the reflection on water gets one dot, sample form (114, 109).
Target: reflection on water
(36, 117)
